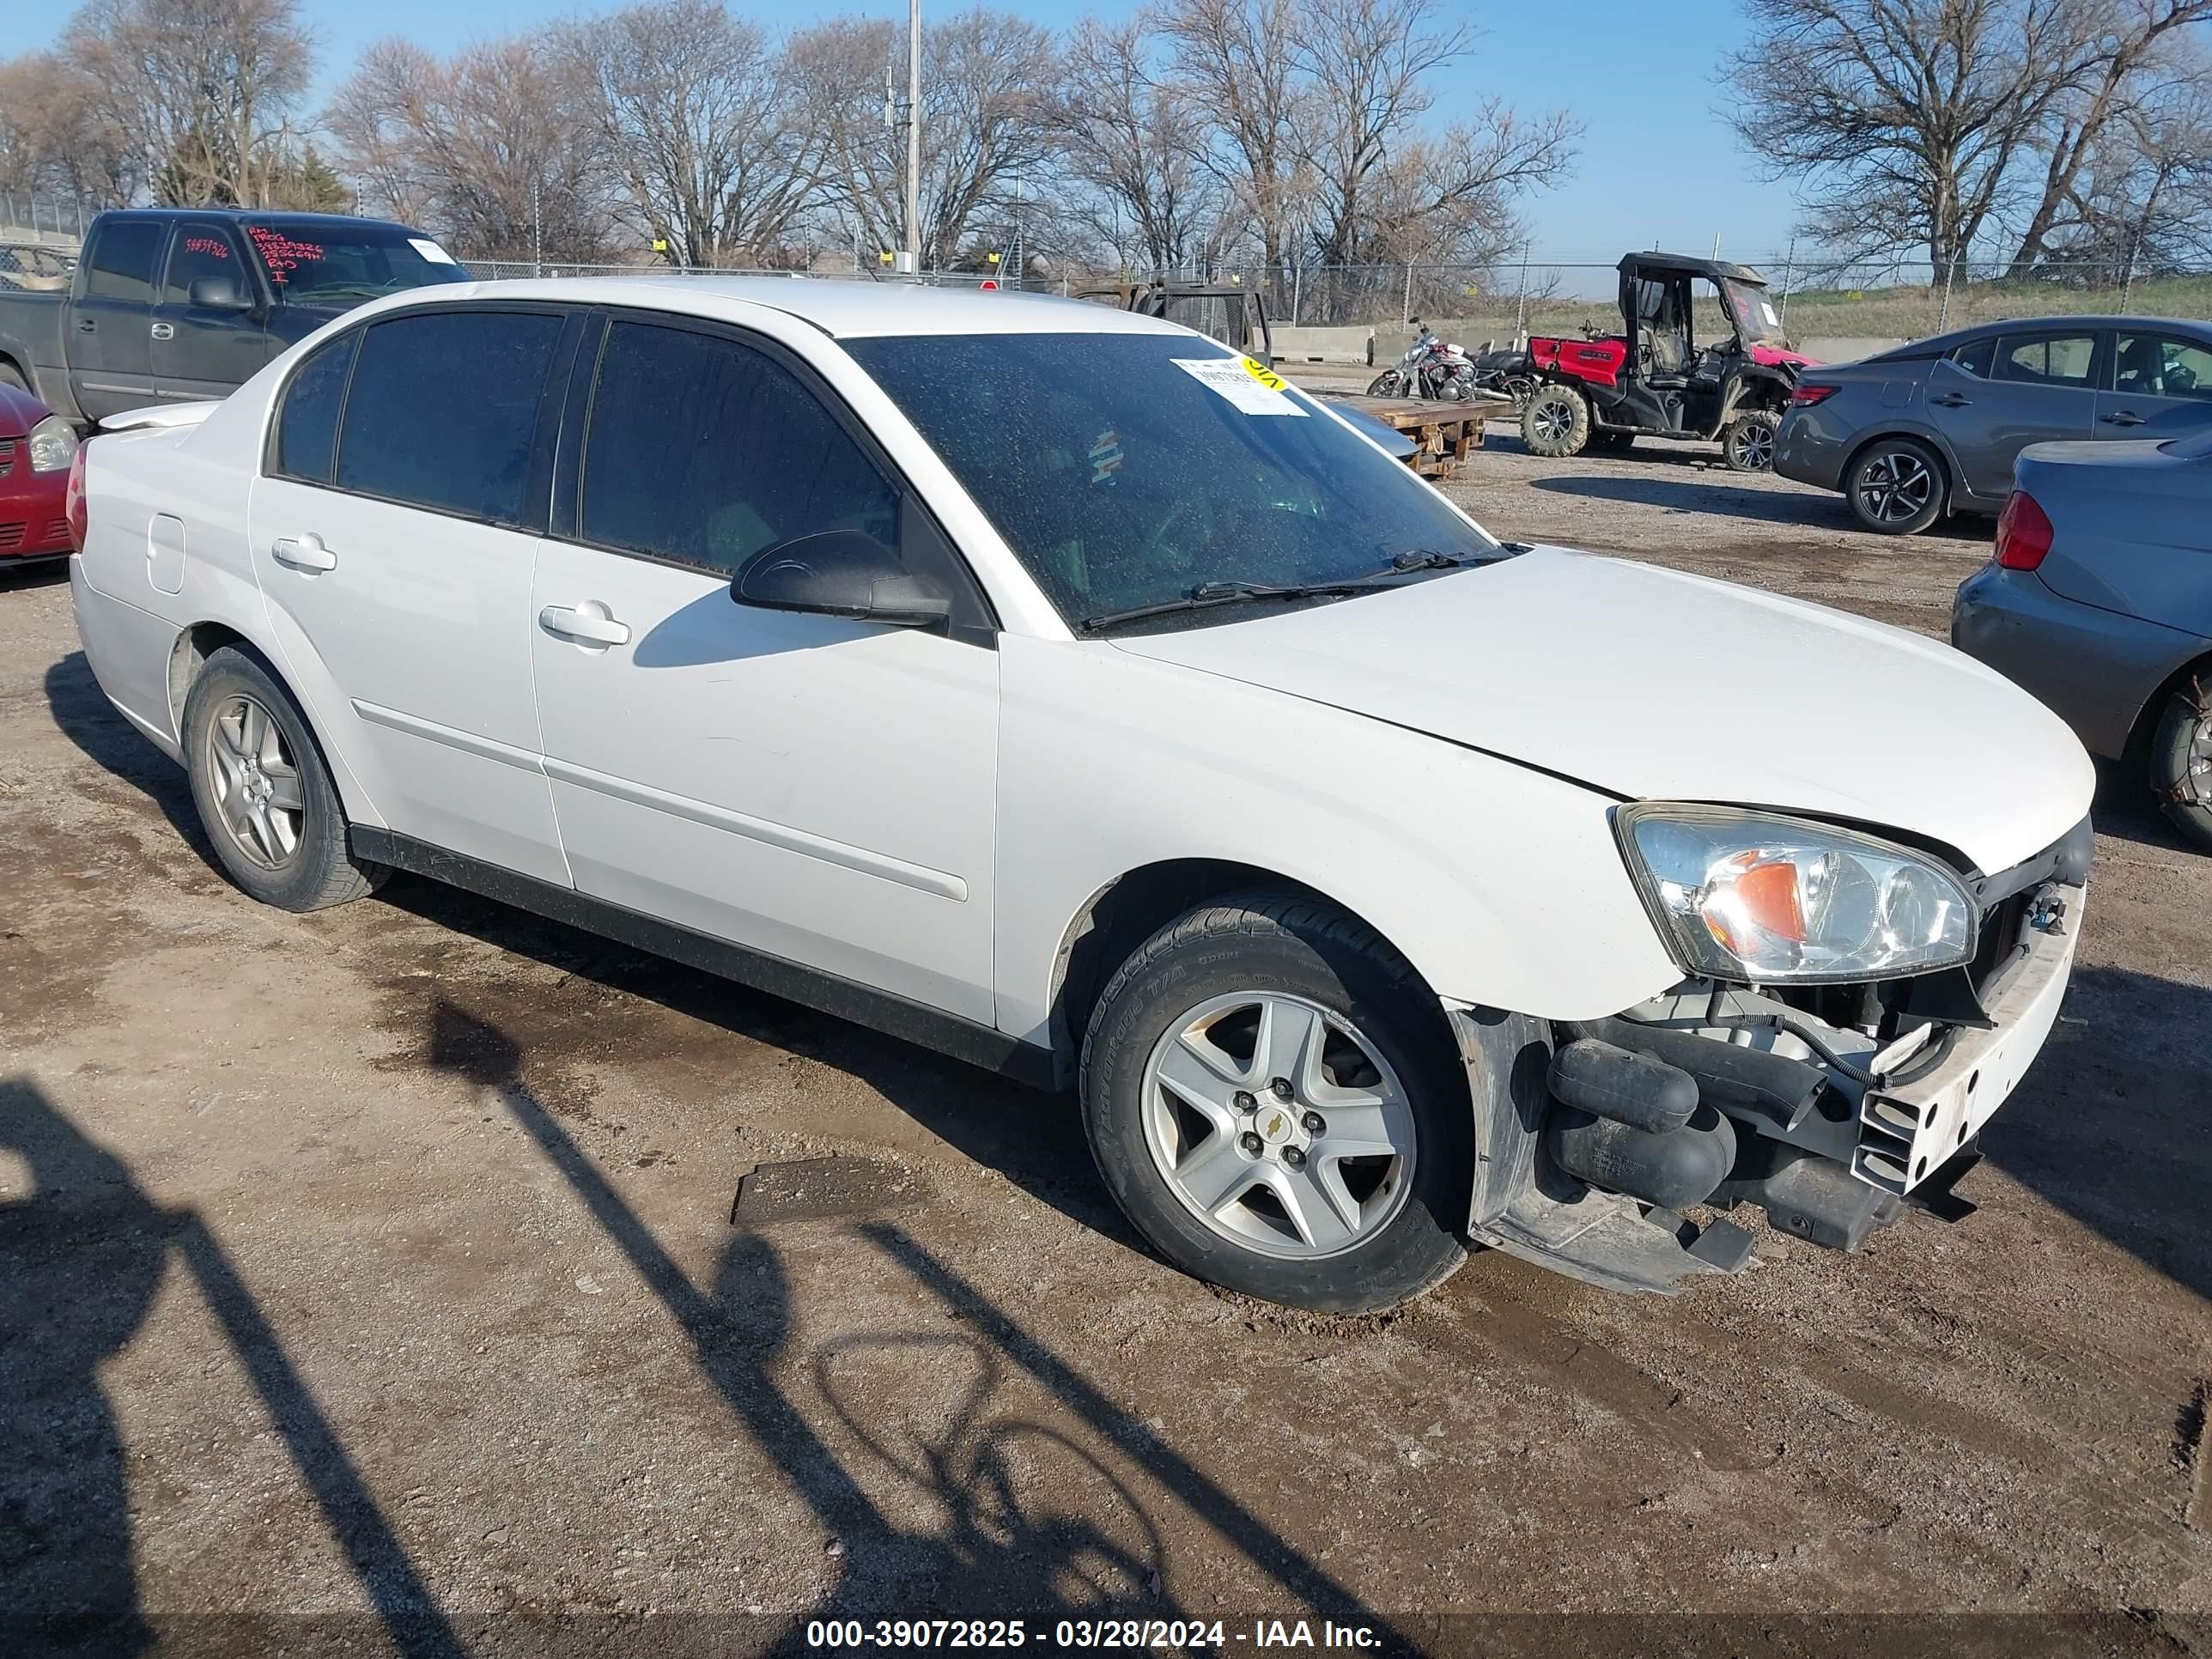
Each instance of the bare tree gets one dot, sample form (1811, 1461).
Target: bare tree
(1368, 64)
(1904, 119)
(493, 146)
(1240, 62)
(702, 120)
(1454, 199)
(988, 81)
(57, 134)
(2131, 36)
(1132, 145)
(206, 89)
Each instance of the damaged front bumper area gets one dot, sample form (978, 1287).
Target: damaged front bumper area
(1831, 1108)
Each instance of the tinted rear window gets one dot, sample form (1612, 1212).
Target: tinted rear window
(307, 426)
(443, 412)
(121, 265)
(1974, 356)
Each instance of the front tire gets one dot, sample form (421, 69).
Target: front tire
(1385, 384)
(1895, 487)
(1747, 446)
(1555, 423)
(264, 797)
(1273, 1099)
(2181, 763)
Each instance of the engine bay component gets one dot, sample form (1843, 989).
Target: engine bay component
(1611, 1082)
(1673, 1169)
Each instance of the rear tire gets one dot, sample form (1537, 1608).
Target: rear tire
(2181, 761)
(1180, 1069)
(1747, 446)
(264, 796)
(1895, 486)
(1555, 423)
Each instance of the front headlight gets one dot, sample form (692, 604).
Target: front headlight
(53, 443)
(1751, 895)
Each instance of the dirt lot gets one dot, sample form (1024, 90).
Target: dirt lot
(380, 1266)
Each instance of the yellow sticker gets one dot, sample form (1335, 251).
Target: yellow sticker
(1265, 375)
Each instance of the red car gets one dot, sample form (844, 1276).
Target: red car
(36, 448)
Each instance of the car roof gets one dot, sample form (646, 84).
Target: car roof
(1716, 269)
(237, 216)
(843, 309)
(2033, 325)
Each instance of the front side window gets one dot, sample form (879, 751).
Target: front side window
(1128, 470)
(121, 265)
(2159, 366)
(703, 451)
(2047, 359)
(336, 262)
(442, 412)
(307, 424)
(201, 250)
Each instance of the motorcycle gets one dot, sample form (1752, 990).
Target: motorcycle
(1432, 368)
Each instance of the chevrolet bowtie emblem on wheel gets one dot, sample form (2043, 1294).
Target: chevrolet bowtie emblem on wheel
(1277, 1128)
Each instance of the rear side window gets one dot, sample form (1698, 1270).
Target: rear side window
(307, 425)
(121, 264)
(1975, 356)
(442, 412)
(2047, 359)
(755, 460)
(200, 250)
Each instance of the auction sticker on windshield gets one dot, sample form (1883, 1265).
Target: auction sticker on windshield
(1248, 384)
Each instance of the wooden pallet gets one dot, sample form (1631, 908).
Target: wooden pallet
(1446, 433)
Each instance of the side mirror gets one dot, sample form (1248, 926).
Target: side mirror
(217, 293)
(839, 573)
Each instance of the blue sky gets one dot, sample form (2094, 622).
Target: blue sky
(1656, 163)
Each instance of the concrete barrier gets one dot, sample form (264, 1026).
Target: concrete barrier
(1294, 344)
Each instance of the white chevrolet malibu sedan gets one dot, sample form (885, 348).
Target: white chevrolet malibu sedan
(1051, 686)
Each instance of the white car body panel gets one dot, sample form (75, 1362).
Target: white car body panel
(1653, 684)
(815, 788)
(1441, 761)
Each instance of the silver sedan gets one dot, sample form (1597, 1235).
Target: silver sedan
(2100, 601)
(1934, 425)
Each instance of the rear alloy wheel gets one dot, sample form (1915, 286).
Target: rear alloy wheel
(1555, 423)
(1273, 1098)
(2181, 763)
(1895, 487)
(1747, 446)
(264, 795)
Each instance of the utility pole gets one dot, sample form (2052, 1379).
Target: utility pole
(537, 234)
(913, 260)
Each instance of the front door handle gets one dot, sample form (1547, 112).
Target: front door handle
(85, 326)
(163, 331)
(1950, 400)
(2124, 417)
(305, 553)
(589, 624)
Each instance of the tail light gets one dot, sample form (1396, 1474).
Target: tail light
(73, 498)
(1812, 391)
(2023, 533)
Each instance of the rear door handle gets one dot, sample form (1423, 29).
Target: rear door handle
(1950, 400)
(163, 331)
(2124, 417)
(305, 553)
(85, 325)
(589, 624)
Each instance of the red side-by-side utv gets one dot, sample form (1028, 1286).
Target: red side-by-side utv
(1656, 379)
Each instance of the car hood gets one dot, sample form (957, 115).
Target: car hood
(1650, 684)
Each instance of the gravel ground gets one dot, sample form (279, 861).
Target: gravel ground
(368, 1281)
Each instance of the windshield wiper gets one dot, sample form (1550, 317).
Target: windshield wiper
(1206, 595)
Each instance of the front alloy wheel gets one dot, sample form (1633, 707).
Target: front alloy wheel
(1278, 1125)
(1275, 1098)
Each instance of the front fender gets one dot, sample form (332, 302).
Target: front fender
(1502, 885)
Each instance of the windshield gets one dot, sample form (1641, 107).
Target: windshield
(1756, 318)
(312, 261)
(1129, 470)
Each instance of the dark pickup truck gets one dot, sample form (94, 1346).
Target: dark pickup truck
(186, 303)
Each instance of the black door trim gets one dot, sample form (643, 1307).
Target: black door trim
(879, 1010)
